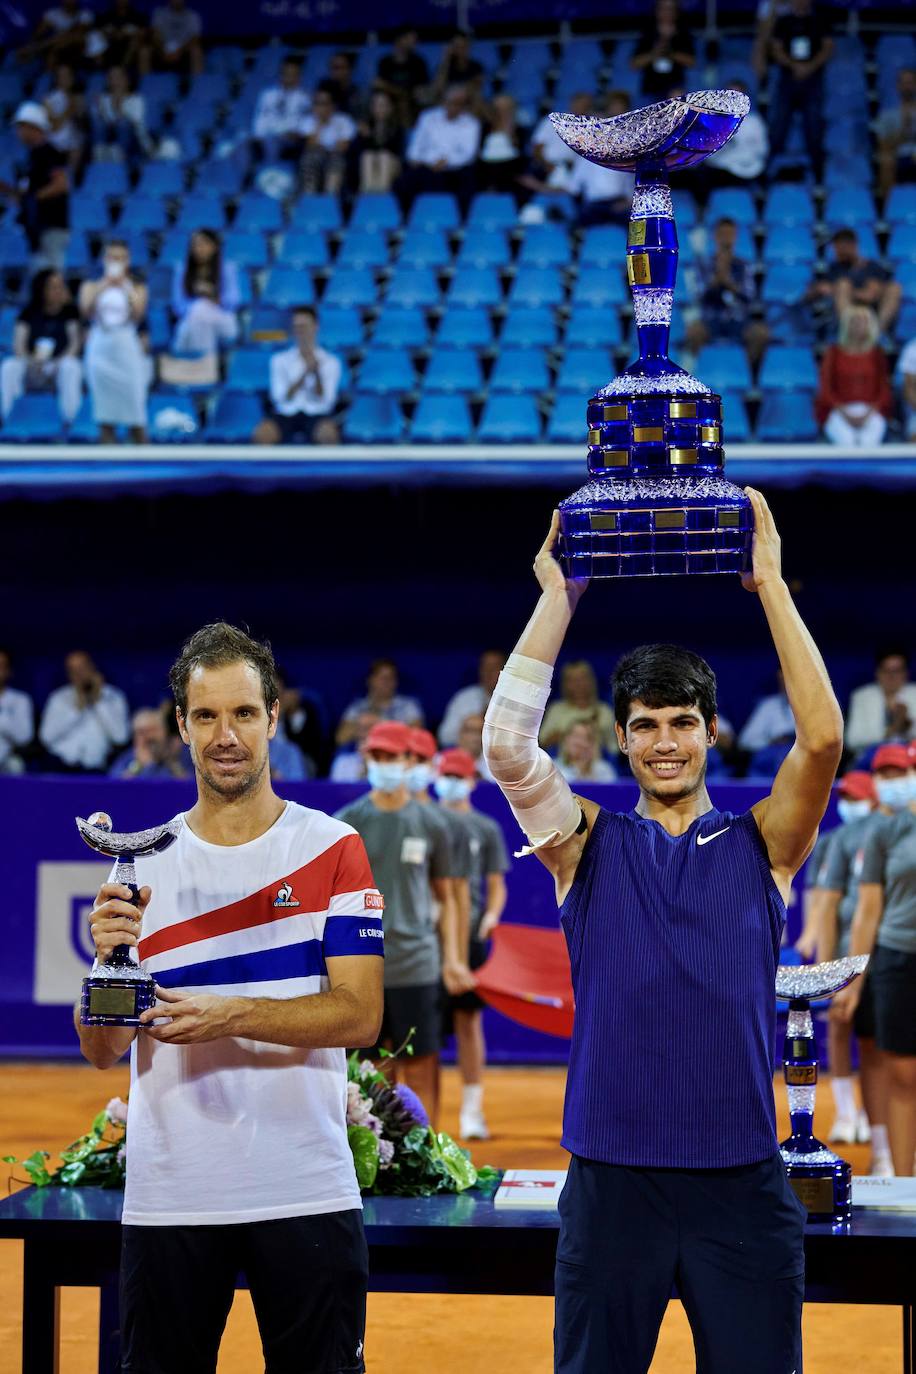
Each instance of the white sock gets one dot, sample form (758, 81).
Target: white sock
(843, 1098)
(879, 1141)
(472, 1098)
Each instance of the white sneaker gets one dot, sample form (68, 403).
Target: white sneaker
(863, 1129)
(881, 1167)
(472, 1126)
(842, 1132)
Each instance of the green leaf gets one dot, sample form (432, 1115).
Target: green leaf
(37, 1172)
(364, 1146)
(456, 1161)
(72, 1173)
(99, 1123)
(9, 1159)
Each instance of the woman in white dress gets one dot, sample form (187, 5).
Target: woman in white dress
(117, 368)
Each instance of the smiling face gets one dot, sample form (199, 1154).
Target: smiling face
(666, 747)
(227, 728)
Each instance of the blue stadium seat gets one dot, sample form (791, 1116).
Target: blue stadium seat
(318, 211)
(373, 420)
(104, 179)
(736, 424)
(304, 248)
(786, 417)
(468, 328)
(201, 212)
(249, 370)
(724, 367)
(288, 286)
(387, 372)
(144, 213)
(441, 419)
(567, 423)
(221, 176)
(847, 171)
(350, 286)
(529, 326)
(685, 209)
(376, 212)
(536, 286)
(340, 328)
(509, 420)
(246, 295)
(78, 257)
(160, 86)
(211, 86)
(546, 245)
(520, 370)
(173, 249)
(362, 248)
(160, 179)
(789, 243)
(906, 276)
(34, 419)
(235, 416)
(89, 213)
(401, 327)
(259, 212)
(424, 248)
(585, 370)
(475, 286)
(788, 367)
(195, 116)
(732, 202)
(84, 429)
(785, 283)
(599, 291)
(483, 248)
(8, 317)
(901, 245)
(246, 250)
(451, 370)
(492, 210)
(854, 205)
(788, 204)
(434, 210)
(901, 205)
(269, 325)
(412, 286)
(158, 325)
(592, 328)
(172, 419)
(603, 245)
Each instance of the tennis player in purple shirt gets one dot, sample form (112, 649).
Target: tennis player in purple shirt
(673, 914)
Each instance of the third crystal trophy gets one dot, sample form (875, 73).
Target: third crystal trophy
(657, 501)
(118, 990)
(821, 1180)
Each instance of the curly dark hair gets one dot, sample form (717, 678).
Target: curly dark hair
(663, 675)
(216, 646)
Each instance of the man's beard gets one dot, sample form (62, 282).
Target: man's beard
(229, 788)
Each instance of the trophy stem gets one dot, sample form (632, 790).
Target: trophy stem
(820, 1179)
(800, 1068)
(125, 873)
(652, 253)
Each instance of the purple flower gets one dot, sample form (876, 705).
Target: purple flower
(385, 1154)
(411, 1103)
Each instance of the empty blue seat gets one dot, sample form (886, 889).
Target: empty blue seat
(787, 367)
(592, 328)
(105, 179)
(567, 423)
(546, 245)
(441, 419)
(387, 371)
(853, 205)
(789, 243)
(434, 210)
(235, 416)
(84, 429)
(492, 210)
(424, 248)
(901, 205)
(158, 325)
(902, 243)
(412, 286)
(596, 291)
(724, 367)
(603, 245)
(89, 213)
(786, 417)
(847, 171)
(401, 327)
(247, 250)
(685, 209)
(249, 370)
(288, 286)
(195, 116)
(259, 212)
(269, 325)
(222, 176)
(585, 370)
(304, 248)
(9, 314)
(785, 283)
(788, 204)
(509, 420)
(199, 212)
(160, 86)
(34, 419)
(373, 420)
(14, 247)
(351, 286)
(318, 211)
(468, 328)
(736, 425)
(142, 213)
(172, 419)
(536, 286)
(79, 256)
(160, 179)
(362, 248)
(520, 370)
(376, 212)
(531, 326)
(731, 202)
(483, 248)
(341, 328)
(475, 286)
(452, 370)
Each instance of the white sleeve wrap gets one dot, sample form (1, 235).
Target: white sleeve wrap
(539, 795)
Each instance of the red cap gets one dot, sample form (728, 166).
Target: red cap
(892, 756)
(911, 750)
(457, 763)
(857, 786)
(389, 735)
(422, 743)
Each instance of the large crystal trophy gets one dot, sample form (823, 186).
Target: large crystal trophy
(656, 502)
(819, 1178)
(118, 990)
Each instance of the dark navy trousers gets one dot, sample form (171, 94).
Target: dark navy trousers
(732, 1240)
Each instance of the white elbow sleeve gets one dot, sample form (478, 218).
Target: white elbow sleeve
(539, 795)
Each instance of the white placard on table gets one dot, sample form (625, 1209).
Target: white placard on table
(539, 1188)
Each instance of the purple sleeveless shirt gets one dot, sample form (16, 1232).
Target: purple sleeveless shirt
(674, 943)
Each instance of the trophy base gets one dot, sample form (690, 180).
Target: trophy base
(641, 526)
(110, 999)
(821, 1181)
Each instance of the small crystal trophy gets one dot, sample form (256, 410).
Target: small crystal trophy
(657, 502)
(118, 990)
(820, 1179)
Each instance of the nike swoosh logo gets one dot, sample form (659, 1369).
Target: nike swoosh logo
(704, 839)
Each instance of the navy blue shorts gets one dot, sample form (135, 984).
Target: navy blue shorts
(732, 1240)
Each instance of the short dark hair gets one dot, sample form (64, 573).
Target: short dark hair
(846, 235)
(116, 243)
(891, 651)
(663, 675)
(292, 59)
(304, 310)
(725, 219)
(216, 646)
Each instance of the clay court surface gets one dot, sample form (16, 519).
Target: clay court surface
(50, 1104)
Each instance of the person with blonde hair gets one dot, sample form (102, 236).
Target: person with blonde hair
(579, 701)
(854, 396)
(579, 756)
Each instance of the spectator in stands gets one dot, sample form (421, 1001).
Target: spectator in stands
(604, 196)
(664, 53)
(458, 68)
(579, 701)
(579, 757)
(304, 385)
(552, 160)
(769, 732)
(17, 719)
(474, 700)
(470, 739)
(348, 97)
(303, 724)
(501, 160)
(43, 190)
(86, 721)
(801, 48)
(125, 32)
(279, 115)
(403, 73)
(768, 11)
(381, 700)
(176, 31)
(205, 296)
(744, 157)
(150, 754)
(349, 763)
(118, 119)
(854, 395)
(442, 149)
(286, 760)
(855, 280)
(327, 133)
(47, 340)
(906, 368)
(117, 366)
(378, 148)
(886, 708)
(66, 107)
(61, 33)
(895, 130)
(726, 290)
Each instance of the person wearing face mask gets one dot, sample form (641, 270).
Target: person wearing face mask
(117, 367)
(836, 894)
(457, 777)
(410, 848)
(884, 926)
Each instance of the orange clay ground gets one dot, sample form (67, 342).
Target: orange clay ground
(50, 1104)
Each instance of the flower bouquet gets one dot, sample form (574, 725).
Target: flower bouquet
(97, 1160)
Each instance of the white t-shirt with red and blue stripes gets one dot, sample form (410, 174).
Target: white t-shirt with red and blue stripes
(235, 1130)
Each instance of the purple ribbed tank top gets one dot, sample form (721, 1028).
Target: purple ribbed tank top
(674, 943)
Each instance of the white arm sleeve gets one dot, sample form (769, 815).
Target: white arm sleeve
(539, 795)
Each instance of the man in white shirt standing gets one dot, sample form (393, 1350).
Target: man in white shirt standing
(885, 709)
(442, 148)
(304, 383)
(280, 114)
(84, 723)
(17, 718)
(262, 927)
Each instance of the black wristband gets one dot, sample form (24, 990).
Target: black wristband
(583, 823)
